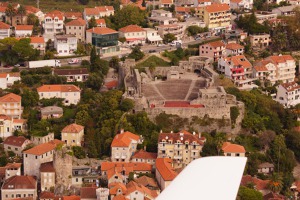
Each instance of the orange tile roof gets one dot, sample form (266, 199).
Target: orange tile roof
(202, 1)
(228, 147)
(105, 8)
(128, 167)
(164, 167)
(31, 9)
(261, 68)
(291, 86)
(73, 14)
(58, 88)
(41, 148)
(111, 84)
(5, 117)
(88, 193)
(141, 154)
(15, 141)
(47, 195)
(55, 13)
(76, 22)
(124, 139)
(217, 8)
(20, 182)
(166, 1)
(100, 21)
(19, 121)
(259, 184)
(234, 46)
(73, 128)
(280, 59)
(4, 26)
(11, 97)
(120, 197)
(235, 1)
(13, 165)
(47, 167)
(101, 30)
(131, 28)
(37, 40)
(11, 74)
(133, 187)
(183, 136)
(91, 11)
(72, 197)
(239, 60)
(2, 9)
(114, 187)
(147, 181)
(216, 44)
(3, 75)
(182, 9)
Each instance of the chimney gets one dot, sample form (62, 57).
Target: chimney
(145, 148)
(122, 130)
(194, 133)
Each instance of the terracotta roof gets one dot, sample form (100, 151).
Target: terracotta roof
(235, 1)
(11, 74)
(47, 195)
(105, 8)
(58, 88)
(73, 15)
(166, 1)
(101, 30)
(164, 167)
(144, 155)
(55, 13)
(127, 167)
(100, 21)
(19, 121)
(13, 165)
(133, 187)
(228, 147)
(47, 167)
(19, 182)
(234, 46)
(239, 60)
(76, 71)
(73, 128)
(280, 58)
(274, 196)
(37, 40)
(15, 141)
(290, 86)
(124, 139)
(182, 9)
(10, 98)
(147, 181)
(183, 136)
(111, 84)
(261, 68)
(2, 9)
(114, 187)
(259, 184)
(42, 148)
(88, 193)
(3, 75)
(120, 197)
(72, 197)
(4, 26)
(24, 27)
(31, 9)
(265, 165)
(131, 28)
(5, 117)
(215, 44)
(217, 8)
(91, 11)
(76, 22)
(202, 1)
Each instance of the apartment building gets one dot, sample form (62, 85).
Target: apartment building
(234, 49)
(4, 30)
(176, 29)
(73, 75)
(214, 50)
(241, 4)
(47, 174)
(104, 39)
(152, 36)
(34, 157)
(23, 30)
(288, 94)
(70, 93)
(39, 44)
(233, 150)
(8, 79)
(8, 125)
(53, 23)
(124, 145)
(260, 41)
(65, 44)
(19, 187)
(182, 147)
(16, 144)
(76, 27)
(98, 12)
(10, 170)
(165, 3)
(10, 105)
(73, 135)
(216, 16)
(162, 17)
(164, 172)
(237, 68)
(144, 157)
(133, 34)
(261, 73)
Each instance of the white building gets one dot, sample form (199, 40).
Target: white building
(70, 93)
(4, 30)
(288, 94)
(53, 24)
(23, 30)
(152, 36)
(65, 44)
(234, 49)
(98, 12)
(8, 79)
(233, 150)
(16, 144)
(133, 34)
(241, 4)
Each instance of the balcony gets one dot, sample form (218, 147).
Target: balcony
(123, 156)
(176, 147)
(117, 156)
(238, 74)
(178, 157)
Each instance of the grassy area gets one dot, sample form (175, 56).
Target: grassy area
(153, 61)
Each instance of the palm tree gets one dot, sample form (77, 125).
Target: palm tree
(22, 12)
(10, 12)
(275, 184)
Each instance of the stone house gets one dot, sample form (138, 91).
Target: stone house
(51, 112)
(233, 150)
(144, 157)
(77, 27)
(164, 172)
(10, 170)
(36, 140)
(265, 168)
(16, 144)
(73, 135)
(47, 176)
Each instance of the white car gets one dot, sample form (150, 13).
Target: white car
(74, 61)
(160, 45)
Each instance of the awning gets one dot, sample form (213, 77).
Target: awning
(134, 39)
(153, 39)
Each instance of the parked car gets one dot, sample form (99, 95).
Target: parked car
(7, 66)
(160, 45)
(152, 51)
(74, 61)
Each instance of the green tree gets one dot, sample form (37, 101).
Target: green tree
(234, 113)
(128, 15)
(3, 160)
(169, 37)
(114, 63)
(22, 12)
(94, 81)
(84, 2)
(24, 50)
(275, 183)
(32, 19)
(293, 142)
(92, 22)
(136, 53)
(78, 152)
(82, 117)
(93, 55)
(10, 12)
(126, 105)
(30, 98)
(249, 194)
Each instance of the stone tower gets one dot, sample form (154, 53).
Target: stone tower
(63, 167)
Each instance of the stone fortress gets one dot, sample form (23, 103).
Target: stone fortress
(188, 90)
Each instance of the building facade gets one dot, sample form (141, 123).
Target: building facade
(214, 50)
(16, 144)
(54, 23)
(73, 135)
(10, 105)
(233, 150)
(76, 27)
(65, 44)
(288, 94)
(133, 34)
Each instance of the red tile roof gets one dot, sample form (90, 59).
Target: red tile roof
(280, 58)
(216, 44)
(24, 27)
(13, 165)
(19, 182)
(181, 104)
(164, 167)
(31, 9)
(131, 28)
(10, 98)
(259, 184)
(290, 86)
(183, 136)
(70, 15)
(217, 8)
(147, 181)
(166, 1)
(76, 22)
(37, 40)
(73, 128)
(42, 148)
(134, 187)
(17, 141)
(261, 68)
(124, 139)
(58, 88)
(228, 147)
(47, 167)
(105, 8)
(141, 154)
(239, 60)
(234, 46)
(100, 21)
(128, 167)
(4, 26)
(182, 9)
(111, 84)
(55, 13)
(72, 197)
(88, 193)
(47, 195)
(114, 187)
(101, 30)
(98, 10)
(120, 197)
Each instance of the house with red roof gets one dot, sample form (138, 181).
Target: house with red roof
(10, 125)
(241, 4)
(164, 172)
(144, 157)
(133, 34)
(10, 170)
(182, 147)
(214, 50)
(116, 189)
(98, 12)
(237, 68)
(101, 22)
(233, 150)
(34, 157)
(5, 30)
(53, 23)
(165, 3)
(201, 3)
(16, 144)
(38, 43)
(234, 49)
(259, 185)
(73, 15)
(73, 135)
(23, 30)
(138, 191)
(10, 105)
(47, 176)
(288, 94)
(124, 145)
(76, 27)
(19, 186)
(8, 79)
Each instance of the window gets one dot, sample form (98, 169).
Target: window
(76, 179)
(36, 157)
